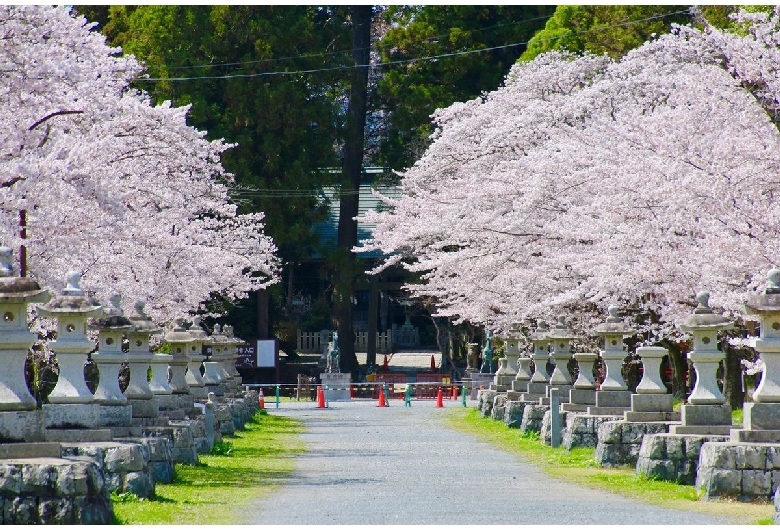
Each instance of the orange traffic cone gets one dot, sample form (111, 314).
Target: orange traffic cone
(320, 398)
(439, 399)
(381, 398)
(261, 399)
(454, 392)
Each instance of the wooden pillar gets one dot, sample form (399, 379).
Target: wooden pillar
(373, 310)
(262, 314)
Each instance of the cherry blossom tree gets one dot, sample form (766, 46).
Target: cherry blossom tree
(584, 182)
(119, 189)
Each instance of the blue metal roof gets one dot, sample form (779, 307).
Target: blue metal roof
(327, 231)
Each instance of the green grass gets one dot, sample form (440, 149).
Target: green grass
(580, 467)
(243, 468)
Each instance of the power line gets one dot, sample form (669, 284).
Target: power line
(342, 52)
(401, 61)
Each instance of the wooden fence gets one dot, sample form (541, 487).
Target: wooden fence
(317, 341)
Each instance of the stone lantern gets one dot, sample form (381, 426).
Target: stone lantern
(213, 376)
(19, 419)
(224, 350)
(115, 411)
(71, 403)
(195, 357)
(651, 402)
(561, 337)
(537, 386)
(762, 418)
(179, 340)
(507, 365)
(613, 396)
(231, 356)
(523, 373)
(139, 392)
(706, 411)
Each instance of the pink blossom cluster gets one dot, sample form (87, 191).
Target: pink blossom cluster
(114, 186)
(585, 181)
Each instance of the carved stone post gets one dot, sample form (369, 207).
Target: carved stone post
(613, 396)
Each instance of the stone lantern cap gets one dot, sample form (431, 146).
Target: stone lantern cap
(614, 325)
(178, 334)
(232, 339)
(703, 318)
(769, 300)
(219, 337)
(541, 332)
(14, 289)
(114, 318)
(72, 301)
(143, 323)
(196, 332)
(561, 331)
(513, 333)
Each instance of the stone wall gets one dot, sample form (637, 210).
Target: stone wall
(513, 413)
(53, 491)
(533, 416)
(743, 471)
(619, 441)
(124, 465)
(582, 430)
(672, 457)
(499, 406)
(485, 399)
(546, 430)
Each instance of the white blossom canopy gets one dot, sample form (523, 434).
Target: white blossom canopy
(585, 182)
(113, 186)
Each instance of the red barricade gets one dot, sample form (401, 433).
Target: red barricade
(429, 391)
(390, 380)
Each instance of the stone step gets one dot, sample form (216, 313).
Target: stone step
(716, 430)
(77, 435)
(31, 450)
(606, 411)
(573, 407)
(642, 417)
(755, 436)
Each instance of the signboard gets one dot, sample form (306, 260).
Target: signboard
(257, 354)
(266, 353)
(247, 356)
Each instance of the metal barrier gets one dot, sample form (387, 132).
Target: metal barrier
(396, 388)
(428, 391)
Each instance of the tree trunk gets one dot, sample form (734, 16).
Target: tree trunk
(679, 365)
(350, 186)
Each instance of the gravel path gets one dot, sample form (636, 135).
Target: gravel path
(396, 465)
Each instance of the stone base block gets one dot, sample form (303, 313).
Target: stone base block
(537, 388)
(337, 386)
(642, 417)
(582, 430)
(513, 413)
(606, 411)
(533, 417)
(512, 395)
(53, 491)
(573, 407)
(563, 392)
(651, 403)
(520, 386)
(78, 435)
(619, 441)
(22, 426)
(582, 396)
(705, 415)
(116, 415)
(218, 389)
(72, 416)
(762, 416)
(31, 450)
(499, 405)
(145, 408)
(504, 381)
(672, 457)
(133, 431)
(199, 392)
(746, 472)
(175, 402)
(498, 388)
(701, 430)
(613, 399)
(756, 437)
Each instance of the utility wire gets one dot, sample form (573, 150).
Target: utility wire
(343, 52)
(401, 61)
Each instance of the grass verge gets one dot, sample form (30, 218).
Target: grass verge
(580, 467)
(245, 467)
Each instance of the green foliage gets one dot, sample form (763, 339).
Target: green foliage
(603, 29)
(222, 448)
(411, 91)
(125, 498)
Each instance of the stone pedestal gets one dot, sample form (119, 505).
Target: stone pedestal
(159, 383)
(72, 416)
(22, 426)
(611, 403)
(704, 419)
(119, 415)
(336, 386)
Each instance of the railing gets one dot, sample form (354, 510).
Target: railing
(317, 341)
